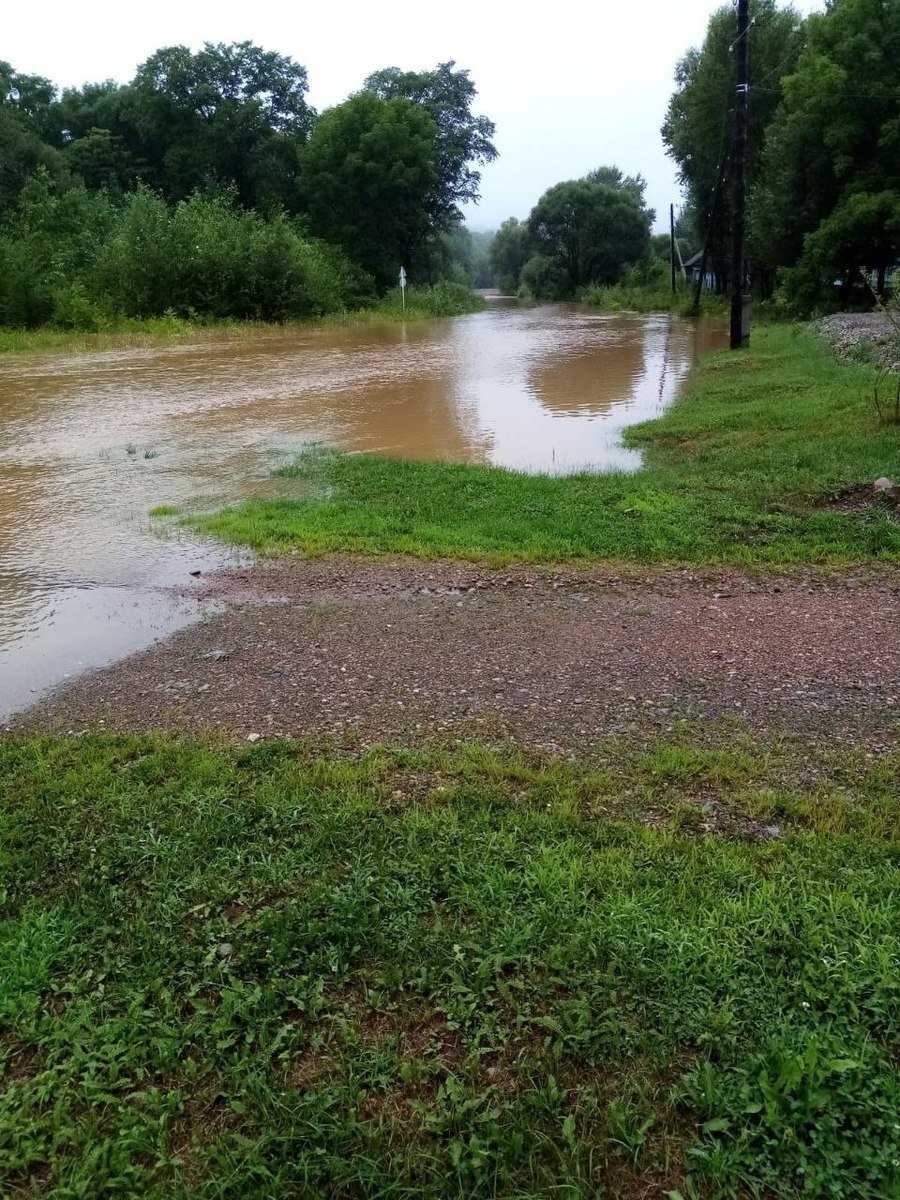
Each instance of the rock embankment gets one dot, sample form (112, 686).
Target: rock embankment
(850, 332)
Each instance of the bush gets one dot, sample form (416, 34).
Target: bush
(75, 260)
(544, 279)
(206, 256)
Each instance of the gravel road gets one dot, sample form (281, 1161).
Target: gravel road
(397, 651)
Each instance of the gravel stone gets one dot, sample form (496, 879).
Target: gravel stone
(369, 651)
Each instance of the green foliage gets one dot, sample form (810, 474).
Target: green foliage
(861, 230)
(831, 159)
(368, 172)
(510, 251)
(381, 180)
(266, 972)
(591, 231)
(461, 139)
(50, 243)
(652, 296)
(738, 470)
(444, 299)
(466, 256)
(213, 114)
(697, 130)
(72, 258)
(545, 278)
(23, 104)
(208, 257)
(101, 159)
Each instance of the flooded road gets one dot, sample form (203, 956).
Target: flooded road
(90, 443)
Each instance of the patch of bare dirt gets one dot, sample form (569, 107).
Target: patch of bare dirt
(21, 1062)
(859, 500)
(406, 651)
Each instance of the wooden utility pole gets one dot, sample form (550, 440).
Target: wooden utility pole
(672, 243)
(740, 305)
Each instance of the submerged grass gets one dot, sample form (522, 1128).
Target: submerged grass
(649, 299)
(741, 469)
(265, 973)
(424, 303)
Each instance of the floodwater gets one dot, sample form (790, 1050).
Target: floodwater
(89, 443)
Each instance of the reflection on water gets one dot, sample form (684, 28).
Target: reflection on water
(89, 443)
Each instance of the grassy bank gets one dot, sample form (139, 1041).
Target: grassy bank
(749, 466)
(423, 303)
(262, 973)
(643, 299)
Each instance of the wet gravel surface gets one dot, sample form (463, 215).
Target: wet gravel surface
(398, 651)
(846, 331)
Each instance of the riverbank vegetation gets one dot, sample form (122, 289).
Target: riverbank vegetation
(423, 302)
(822, 169)
(581, 232)
(822, 162)
(207, 189)
(262, 971)
(768, 457)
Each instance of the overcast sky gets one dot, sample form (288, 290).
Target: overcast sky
(570, 86)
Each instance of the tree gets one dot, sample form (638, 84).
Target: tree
(221, 78)
(467, 257)
(25, 101)
(30, 96)
(510, 251)
(832, 153)
(593, 231)
(697, 128)
(232, 115)
(613, 177)
(101, 159)
(461, 139)
(369, 177)
(862, 231)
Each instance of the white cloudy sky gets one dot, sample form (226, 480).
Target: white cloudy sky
(569, 85)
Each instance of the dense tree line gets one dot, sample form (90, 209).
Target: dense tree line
(580, 232)
(824, 148)
(208, 185)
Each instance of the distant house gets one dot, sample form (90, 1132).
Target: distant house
(692, 270)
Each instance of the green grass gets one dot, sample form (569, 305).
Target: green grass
(739, 470)
(653, 298)
(423, 303)
(263, 973)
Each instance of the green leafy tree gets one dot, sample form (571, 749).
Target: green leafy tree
(101, 159)
(463, 140)
(510, 251)
(467, 257)
(863, 231)
(698, 126)
(546, 278)
(592, 231)
(614, 177)
(25, 101)
(31, 96)
(370, 175)
(49, 242)
(211, 116)
(832, 155)
(231, 115)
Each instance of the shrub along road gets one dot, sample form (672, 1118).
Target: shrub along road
(615, 913)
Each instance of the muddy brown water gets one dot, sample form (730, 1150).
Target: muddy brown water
(89, 443)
